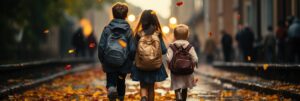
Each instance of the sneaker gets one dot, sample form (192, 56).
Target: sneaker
(144, 98)
(121, 98)
(178, 96)
(112, 93)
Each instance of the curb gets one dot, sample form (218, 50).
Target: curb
(252, 86)
(281, 72)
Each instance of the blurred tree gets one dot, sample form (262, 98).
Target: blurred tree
(27, 20)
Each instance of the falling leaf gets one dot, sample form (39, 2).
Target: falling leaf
(265, 66)
(92, 45)
(68, 67)
(122, 43)
(179, 3)
(210, 34)
(71, 51)
(46, 31)
(249, 58)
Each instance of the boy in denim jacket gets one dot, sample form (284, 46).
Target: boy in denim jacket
(113, 52)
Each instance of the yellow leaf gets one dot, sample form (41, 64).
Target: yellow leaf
(122, 43)
(265, 66)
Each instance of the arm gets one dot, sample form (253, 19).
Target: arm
(132, 46)
(163, 46)
(194, 54)
(169, 55)
(102, 44)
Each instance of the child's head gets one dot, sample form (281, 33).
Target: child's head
(181, 32)
(120, 10)
(148, 19)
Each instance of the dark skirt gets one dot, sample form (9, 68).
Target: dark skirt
(149, 76)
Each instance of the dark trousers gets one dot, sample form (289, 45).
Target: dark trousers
(281, 51)
(227, 55)
(116, 79)
(294, 50)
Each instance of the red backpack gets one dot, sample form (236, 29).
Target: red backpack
(182, 61)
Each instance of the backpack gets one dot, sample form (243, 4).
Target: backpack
(149, 54)
(182, 61)
(115, 55)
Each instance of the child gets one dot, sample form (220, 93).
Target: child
(181, 81)
(148, 48)
(113, 52)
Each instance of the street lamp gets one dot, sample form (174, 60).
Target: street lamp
(173, 20)
(131, 18)
(166, 30)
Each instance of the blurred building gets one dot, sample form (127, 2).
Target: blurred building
(257, 14)
(190, 13)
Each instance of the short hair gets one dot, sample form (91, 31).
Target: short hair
(120, 10)
(181, 32)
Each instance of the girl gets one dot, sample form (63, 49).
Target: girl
(147, 76)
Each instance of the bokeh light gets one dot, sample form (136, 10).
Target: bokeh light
(87, 26)
(131, 18)
(166, 29)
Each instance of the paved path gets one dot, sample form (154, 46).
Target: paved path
(90, 85)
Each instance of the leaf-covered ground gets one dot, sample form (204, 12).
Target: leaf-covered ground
(90, 86)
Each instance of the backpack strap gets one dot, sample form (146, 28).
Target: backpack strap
(173, 47)
(188, 47)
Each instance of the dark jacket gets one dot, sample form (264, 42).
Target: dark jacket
(294, 30)
(245, 39)
(226, 42)
(115, 25)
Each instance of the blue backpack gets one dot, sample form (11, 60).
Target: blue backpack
(115, 55)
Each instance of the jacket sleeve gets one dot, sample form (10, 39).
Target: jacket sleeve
(163, 46)
(131, 42)
(169, 54)
(194, 54)
(102, 44)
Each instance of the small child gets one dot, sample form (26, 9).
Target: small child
(113, 52)
(181, 82)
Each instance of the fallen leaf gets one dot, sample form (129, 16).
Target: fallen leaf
(68, 67)
(179, 3)
(265, 66)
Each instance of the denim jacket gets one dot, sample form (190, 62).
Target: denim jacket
(115, 24)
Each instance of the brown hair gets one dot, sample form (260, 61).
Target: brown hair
(148, 19)
(120, 10)
(181, 32)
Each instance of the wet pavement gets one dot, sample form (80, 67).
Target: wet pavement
(89, 85)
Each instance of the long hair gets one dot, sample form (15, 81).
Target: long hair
(148, 18)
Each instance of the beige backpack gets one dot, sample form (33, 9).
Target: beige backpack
(148, 54)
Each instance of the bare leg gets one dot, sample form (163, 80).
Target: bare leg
(151, 94)
(144, 89)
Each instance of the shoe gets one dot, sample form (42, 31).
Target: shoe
(121, 98)
(178, 96)
(112, 93)
(144, 98)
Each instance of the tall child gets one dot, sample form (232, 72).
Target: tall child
(182, 59)
(114, 52)
(148, 48)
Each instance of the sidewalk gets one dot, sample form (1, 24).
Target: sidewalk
(278, 88)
